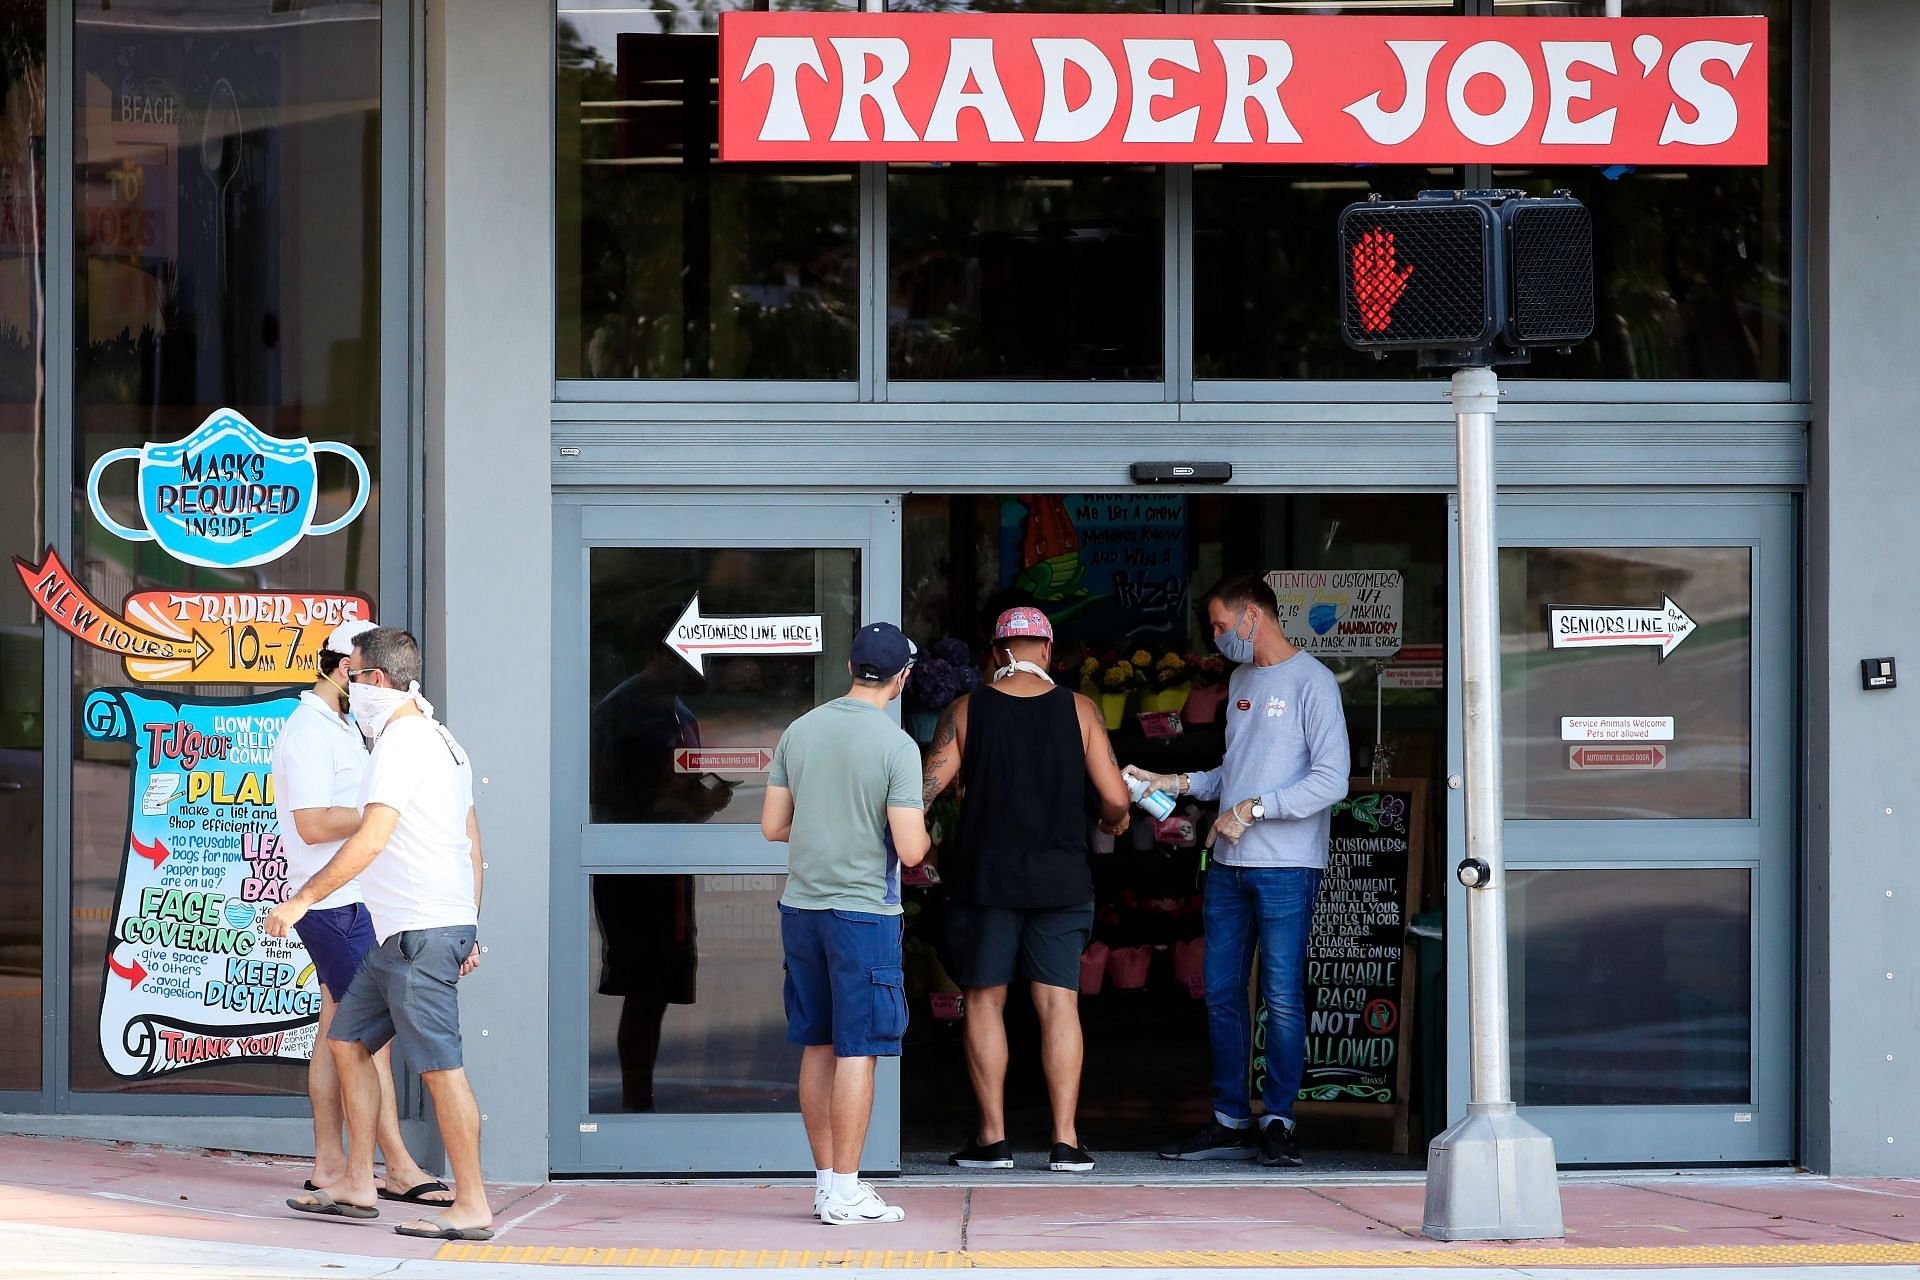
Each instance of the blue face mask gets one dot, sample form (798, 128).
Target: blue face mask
(1235, 647)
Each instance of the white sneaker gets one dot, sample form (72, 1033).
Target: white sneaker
(867, 1207)
(819, 1200)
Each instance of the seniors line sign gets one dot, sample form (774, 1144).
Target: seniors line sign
(1258, 89)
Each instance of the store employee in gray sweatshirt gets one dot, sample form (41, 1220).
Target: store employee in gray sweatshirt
(1286, 767)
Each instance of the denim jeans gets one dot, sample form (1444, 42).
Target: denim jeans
(1271, 907)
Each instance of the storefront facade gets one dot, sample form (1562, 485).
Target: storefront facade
(590, 372)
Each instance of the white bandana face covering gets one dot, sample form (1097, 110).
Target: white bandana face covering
(372, 705)
(1021, 664)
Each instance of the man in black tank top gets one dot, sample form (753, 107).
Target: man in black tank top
(1017, 878)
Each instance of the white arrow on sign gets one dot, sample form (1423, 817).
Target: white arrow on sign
(1614, 626)
(696, 638)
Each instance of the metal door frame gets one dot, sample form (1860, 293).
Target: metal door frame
(587, 1142)
(1766, 841)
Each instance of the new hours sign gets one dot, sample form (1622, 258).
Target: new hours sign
(1264, 89)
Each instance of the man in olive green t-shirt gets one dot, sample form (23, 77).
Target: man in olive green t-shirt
(844, 794)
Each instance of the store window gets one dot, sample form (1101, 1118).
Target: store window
(685, 1016)
(1693, 267)
(1631, 987)
(1026, 271)
(1627, 681)
(1266, 294)
(668, 264)
(227, 197)
(23, 530)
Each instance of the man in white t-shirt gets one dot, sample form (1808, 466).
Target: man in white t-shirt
(417, 856)
(319, 762)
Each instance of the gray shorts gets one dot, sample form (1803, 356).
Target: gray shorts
(1041, 944)
(407, 992)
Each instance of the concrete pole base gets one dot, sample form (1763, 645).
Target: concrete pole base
(1492, 1177)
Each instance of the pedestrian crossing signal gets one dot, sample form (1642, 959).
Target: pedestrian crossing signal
(1466, 278)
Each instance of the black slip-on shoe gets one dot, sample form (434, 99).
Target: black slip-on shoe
(1069, 1159)
(995, 1155)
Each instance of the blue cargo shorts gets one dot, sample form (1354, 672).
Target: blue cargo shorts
(845, 986)
(407, 992)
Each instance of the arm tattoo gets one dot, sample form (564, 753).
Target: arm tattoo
(944, 735)
(930, 784)
(1112, 759)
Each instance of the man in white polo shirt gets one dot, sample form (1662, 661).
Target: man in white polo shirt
(417, 856)
(319, 761)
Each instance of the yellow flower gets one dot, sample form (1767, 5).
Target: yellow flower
(1089, 668)
(1141, 658)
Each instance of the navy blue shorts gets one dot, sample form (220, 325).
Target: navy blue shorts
(338, 939)
(845, 986)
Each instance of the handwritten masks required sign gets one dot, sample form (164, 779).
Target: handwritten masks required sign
(1341, 613)
(1225, 88)
(228, 495)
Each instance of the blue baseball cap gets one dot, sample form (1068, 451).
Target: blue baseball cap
(880, 651)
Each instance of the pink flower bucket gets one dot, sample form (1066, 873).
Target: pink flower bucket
(1189, 966)
(1093, 969)
(1127, 966)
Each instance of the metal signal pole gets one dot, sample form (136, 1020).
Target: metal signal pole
(1492, 1175)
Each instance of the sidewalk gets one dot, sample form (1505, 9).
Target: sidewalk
(122, 1195)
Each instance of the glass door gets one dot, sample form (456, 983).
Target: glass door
(1647, 696)
(689, 632)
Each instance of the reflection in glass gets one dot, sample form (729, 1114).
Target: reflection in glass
(1630, 987)
(1266, 286)
(657, 944)
(228, 208)
(670, 265)
(651, 706)
(1693, 266)
(23, 528)
(1045, 272)
(1704, 684)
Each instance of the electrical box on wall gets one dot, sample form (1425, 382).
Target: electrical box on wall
(1877, 673)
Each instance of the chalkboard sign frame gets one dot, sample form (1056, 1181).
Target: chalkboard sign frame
(1416, 792)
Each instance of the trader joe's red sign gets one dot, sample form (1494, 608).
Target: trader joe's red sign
(1076, 87)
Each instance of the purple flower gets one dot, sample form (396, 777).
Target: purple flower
(954, 650)
(933, 684)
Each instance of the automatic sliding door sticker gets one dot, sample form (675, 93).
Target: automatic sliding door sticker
(227, 495)
(189, 978)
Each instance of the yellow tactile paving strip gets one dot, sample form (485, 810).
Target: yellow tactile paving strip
(1759, 1255)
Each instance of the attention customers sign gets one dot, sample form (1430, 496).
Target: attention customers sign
(1224, 88)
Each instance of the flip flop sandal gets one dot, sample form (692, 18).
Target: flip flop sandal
(325, 1206)
(444, 1231)
(417, 1195)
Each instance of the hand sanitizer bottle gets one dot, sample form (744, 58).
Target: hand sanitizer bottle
(1157, 803)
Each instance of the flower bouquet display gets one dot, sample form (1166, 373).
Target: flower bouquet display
(1170, 683)
(1207, 674)
(1120, 680)
(943, 674)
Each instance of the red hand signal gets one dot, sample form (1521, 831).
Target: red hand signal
(1376, 285)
